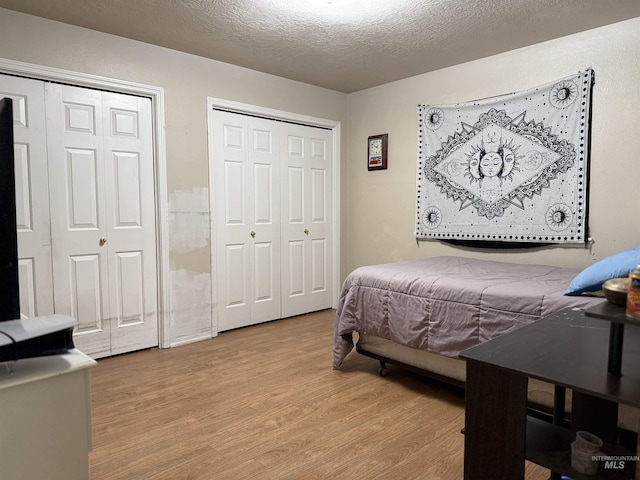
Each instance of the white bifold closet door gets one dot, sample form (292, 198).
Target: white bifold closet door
(32, 194)
(103, 216)
(86, 209)
(247, 227)
(305, 202)
(272, 223)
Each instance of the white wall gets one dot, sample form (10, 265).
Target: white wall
(381, 204)
(187, 81)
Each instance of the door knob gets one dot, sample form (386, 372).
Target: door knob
(253, 234)
(103, 240)
(306, 231)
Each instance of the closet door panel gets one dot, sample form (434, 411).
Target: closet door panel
(129, 300)
(296, 195)
(236, 255)
(320, 243)
(130, 227)
(307, 229)
(84, 291)
(235, 194)
(319, 262)
(319, 192)
(264, 217)
(85, 303)
(24, 189)
(78, 214)
(81, 189)
(263, 194)
(231, 236)
(296, 268)
(27, 266)
(32, 194)
(235, 280)
(27, 283)
(127, 190)
(264, 272)
(246, 231)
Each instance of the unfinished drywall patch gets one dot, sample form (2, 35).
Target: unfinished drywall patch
(190, 307)
(190, 260)
(189, 220)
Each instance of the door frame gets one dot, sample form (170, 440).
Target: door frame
(156, 94)
(273, 114)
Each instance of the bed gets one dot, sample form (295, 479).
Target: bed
(420, 314)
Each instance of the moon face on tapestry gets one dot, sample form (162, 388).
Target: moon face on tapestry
(508, 168)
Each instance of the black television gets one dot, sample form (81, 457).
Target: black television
(9, 287)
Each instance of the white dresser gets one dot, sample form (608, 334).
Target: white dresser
(45, 418)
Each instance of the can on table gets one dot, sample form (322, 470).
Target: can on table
(633, 296)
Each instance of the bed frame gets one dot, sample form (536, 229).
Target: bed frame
(405, 366)
(547, 402)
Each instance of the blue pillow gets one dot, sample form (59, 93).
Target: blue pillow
(591, 278)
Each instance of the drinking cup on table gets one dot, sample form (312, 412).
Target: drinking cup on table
(588, 442)
(583, 462)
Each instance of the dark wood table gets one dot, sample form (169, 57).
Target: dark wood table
(569, 350)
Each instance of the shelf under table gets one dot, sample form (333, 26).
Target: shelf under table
(550, 446)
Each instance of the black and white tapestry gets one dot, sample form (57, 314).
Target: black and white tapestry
(511, 168)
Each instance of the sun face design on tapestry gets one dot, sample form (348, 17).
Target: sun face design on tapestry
(508, 168)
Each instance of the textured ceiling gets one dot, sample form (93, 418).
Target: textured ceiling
(367, 43)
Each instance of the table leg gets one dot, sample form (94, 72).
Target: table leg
(616, 338)
(495, 423)
(559, 399)
(594, 415)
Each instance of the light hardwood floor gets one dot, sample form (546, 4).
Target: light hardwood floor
(263, 402)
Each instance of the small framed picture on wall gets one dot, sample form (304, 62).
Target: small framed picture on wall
(377, 152)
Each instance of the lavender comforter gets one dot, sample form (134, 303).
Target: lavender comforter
(447, 304)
